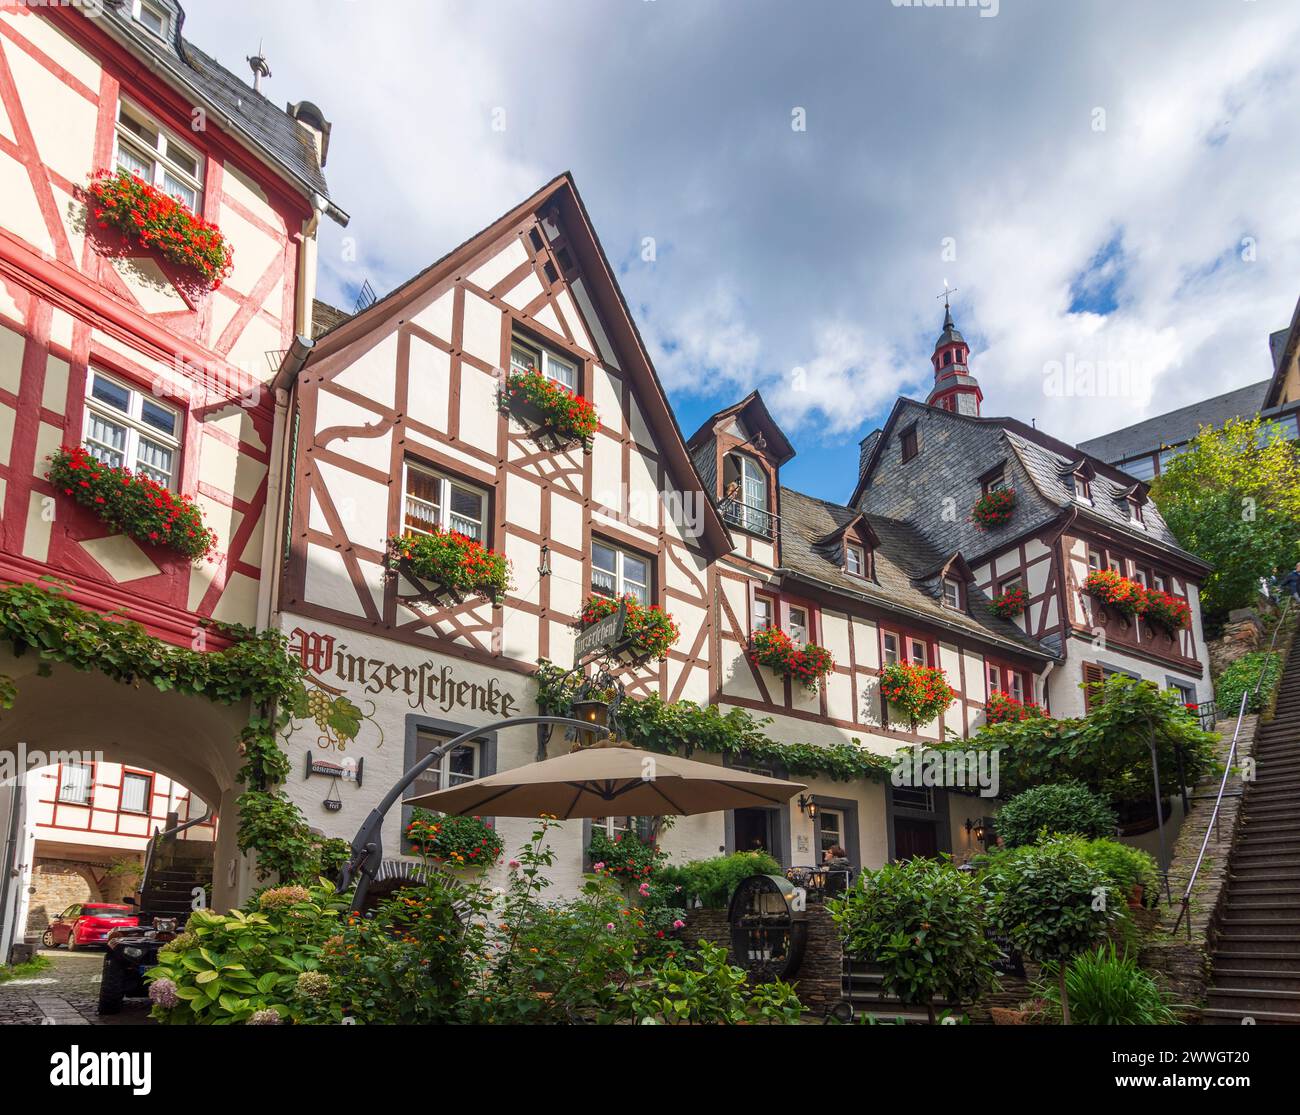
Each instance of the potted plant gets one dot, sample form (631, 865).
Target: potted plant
(1167, 612)
(551, 406)
(1116, 592)
(650, 631)
(130, 502)
(456, 563)
(1002, 708)
(920, 692)
(147, 216)
(454, 842)
(773, 648)
(1009, 604)
(994, 508)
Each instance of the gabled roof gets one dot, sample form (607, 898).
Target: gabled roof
(754, 413)
(860, 523)
(1283, 351)
(1049, 463)
(561, 194)
(902, 562)
(252, 118)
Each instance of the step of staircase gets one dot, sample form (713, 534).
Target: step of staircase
(1220, 1016)
(1230, 961)
(1263, 979)
(1255, 999)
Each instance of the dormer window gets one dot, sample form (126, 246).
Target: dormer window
(994, 480)
(745, 502)
(855, 560)
(154, 18)
(952, 593)
(909, 442)
(1137, 507)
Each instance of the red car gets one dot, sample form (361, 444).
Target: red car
(87, 923)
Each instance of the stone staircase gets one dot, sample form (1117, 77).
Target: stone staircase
(179, 867)
(1256, 962)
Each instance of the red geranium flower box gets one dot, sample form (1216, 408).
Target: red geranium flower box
(994, 508)
(1116, 591)
(807, 665)
(1168, 612)
(558, 410)
(130, 502)
(453, 561)
(1003, 708)
(147, 216)
(1009, 604)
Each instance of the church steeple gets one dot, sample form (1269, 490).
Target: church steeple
(954, 388)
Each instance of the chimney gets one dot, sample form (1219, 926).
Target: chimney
(311, 118)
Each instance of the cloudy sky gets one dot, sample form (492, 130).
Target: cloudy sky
(1106, 183)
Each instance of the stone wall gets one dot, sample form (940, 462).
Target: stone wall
(57, 883)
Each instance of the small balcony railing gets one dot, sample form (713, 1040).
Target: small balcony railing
(752, 519)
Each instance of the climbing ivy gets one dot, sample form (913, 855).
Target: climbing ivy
(256, 666)
(680, 727)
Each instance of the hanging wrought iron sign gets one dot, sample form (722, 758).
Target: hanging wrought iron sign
(333, 801)
(601, 637)
(768, 927)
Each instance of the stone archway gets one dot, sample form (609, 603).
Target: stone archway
(55, 885)
(67, 712)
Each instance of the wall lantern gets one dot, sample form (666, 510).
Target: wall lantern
(978, 829)
(592, 712)
(808, 804)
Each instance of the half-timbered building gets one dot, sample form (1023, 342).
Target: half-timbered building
(402, 427)
(113, 342)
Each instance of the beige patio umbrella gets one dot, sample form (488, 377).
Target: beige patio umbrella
(610, 778)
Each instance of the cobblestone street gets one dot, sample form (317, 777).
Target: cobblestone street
(64, 994)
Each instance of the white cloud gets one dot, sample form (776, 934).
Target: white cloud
(821, 249)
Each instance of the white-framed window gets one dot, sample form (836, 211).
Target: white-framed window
(1094, 559)
(618, 572)
(76, 781)
(125, 427)
(1186, 692)
(1011, 584)
(799, 630)
(764, 612)
(995, 678)
(525, 355)
(463, 763)
(746, 490)
(616, 826)
(1158, 582)
(916, 652)
(153, 17)
(156, 155)
(889, 645)
(137, 790)
(855, 560)
(1140, 575)
(951, 593)
(433, 499)
(1136, 514)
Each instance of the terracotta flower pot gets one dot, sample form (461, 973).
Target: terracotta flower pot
(1008, 1016)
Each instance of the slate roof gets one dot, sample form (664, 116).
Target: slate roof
(1050, 471)
(1177, 426)
(324, 317)
(904, 566)
(268, 127)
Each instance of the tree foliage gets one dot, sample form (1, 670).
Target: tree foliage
(1234, 500)
(1054, 807)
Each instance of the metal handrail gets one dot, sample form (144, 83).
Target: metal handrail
(756, 520)
(1227, 770)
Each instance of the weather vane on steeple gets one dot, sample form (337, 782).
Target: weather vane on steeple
(947, 292)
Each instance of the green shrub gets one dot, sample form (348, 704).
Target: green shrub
(625, 856)
(245, 966)
(924, 923)
(1049, 902)
(1125, 866)
(699, 987)
(1066, 807)
(1107, 988)
(711, 882)
(1242, 676)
